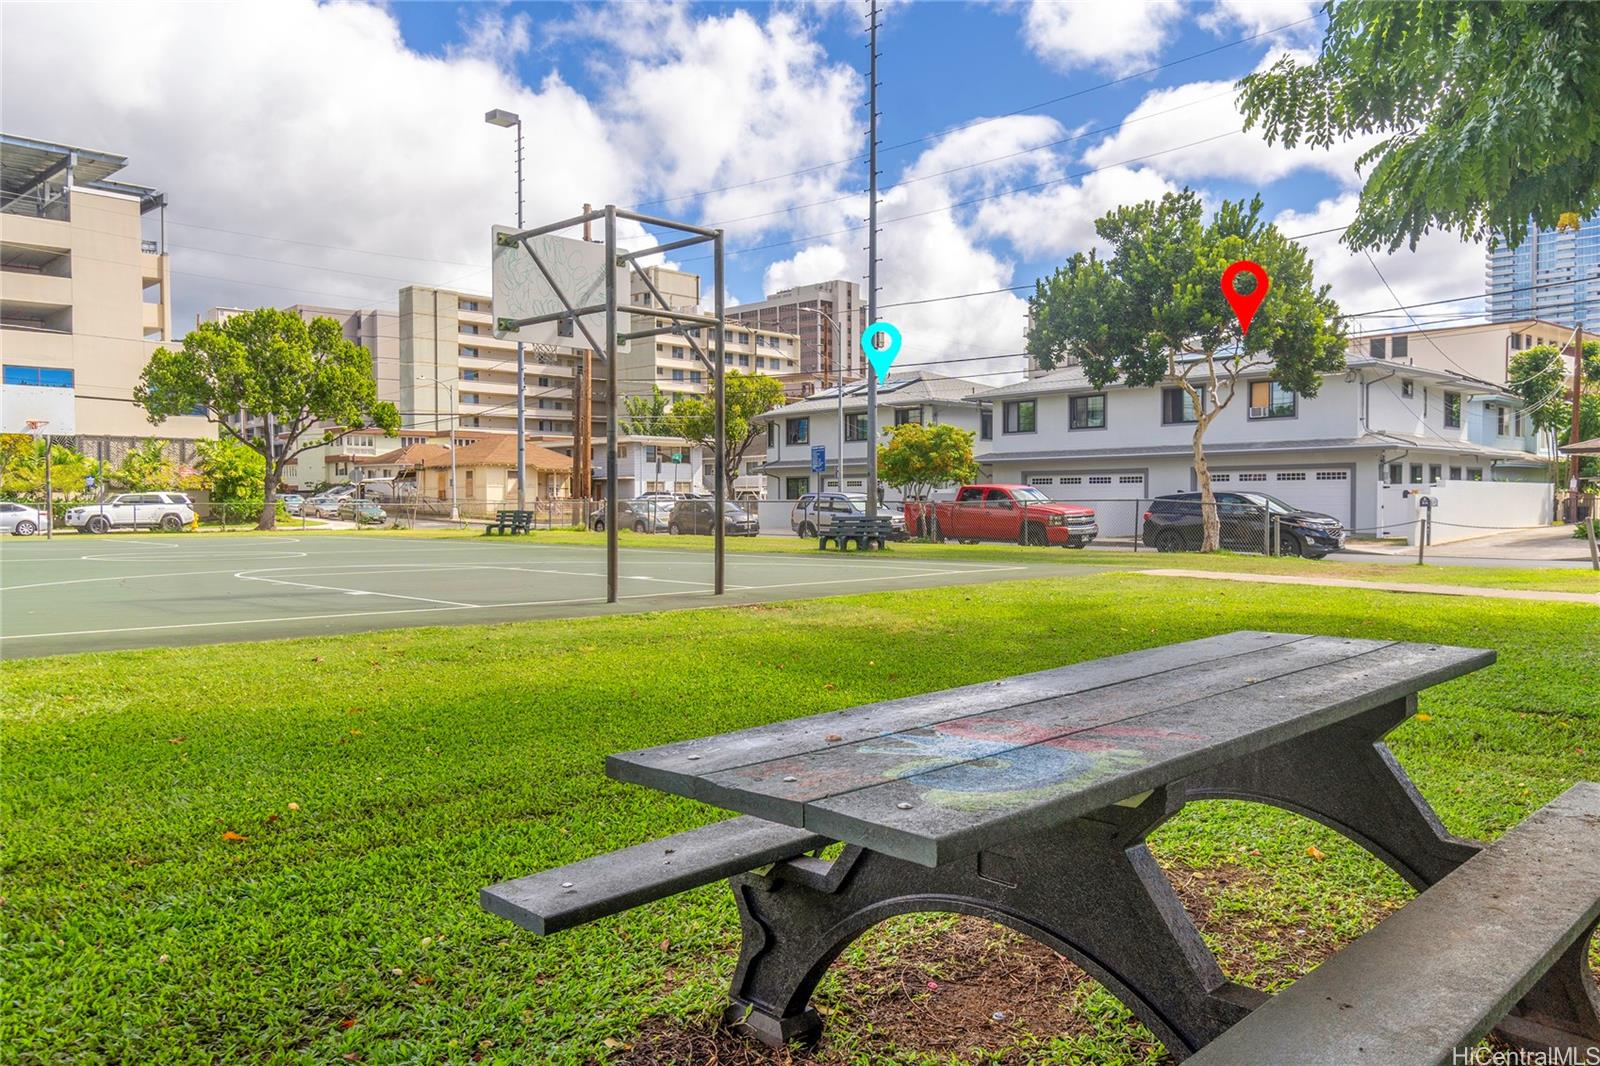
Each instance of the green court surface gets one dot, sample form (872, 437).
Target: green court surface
(81, 593)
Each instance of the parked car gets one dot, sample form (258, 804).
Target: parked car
(321, 507)
(291, 502)
(169, 511)
(1173, 524)
(1020, 514)
(360, 511)
(19, 519)
(696, 516)
(642, 515)
(814, 513)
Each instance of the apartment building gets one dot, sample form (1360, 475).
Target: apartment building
(1552, 274)
(1483, 350)
(667, 361)
(85, 294)
(451, 362)
(1361, 450)
(794, 430)
(828, 318)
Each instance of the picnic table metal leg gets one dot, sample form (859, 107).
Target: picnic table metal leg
(1089, 890)
(1562, 1009)
(1345, 777)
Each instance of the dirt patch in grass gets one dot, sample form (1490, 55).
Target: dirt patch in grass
(969, 988)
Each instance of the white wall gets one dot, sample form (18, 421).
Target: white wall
(1471, 508)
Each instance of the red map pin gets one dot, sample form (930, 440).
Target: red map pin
(1245, 304)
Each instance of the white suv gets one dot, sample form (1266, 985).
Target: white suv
(169, 511)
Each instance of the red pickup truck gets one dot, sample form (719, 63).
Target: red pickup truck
(1020, 514)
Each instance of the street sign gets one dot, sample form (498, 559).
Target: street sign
(819, 459)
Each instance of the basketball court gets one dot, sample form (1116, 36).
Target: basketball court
(85, 593)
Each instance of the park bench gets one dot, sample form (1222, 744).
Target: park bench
(510, 522)
(1027, 800)
(866, 532)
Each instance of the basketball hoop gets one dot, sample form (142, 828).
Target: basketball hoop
(36, 424)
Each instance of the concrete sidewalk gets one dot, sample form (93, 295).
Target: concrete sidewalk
(1590, 598)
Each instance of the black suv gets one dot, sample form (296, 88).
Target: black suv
(1172, 524)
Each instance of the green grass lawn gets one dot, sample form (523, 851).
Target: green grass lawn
(272, 851)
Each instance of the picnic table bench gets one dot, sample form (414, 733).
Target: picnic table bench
(1026, 801)
(866, 532)
(510, 522)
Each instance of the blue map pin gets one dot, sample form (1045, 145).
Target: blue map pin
(881, 360)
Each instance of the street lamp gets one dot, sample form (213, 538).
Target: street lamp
(455, 512)
(506, 120)
(838, 386)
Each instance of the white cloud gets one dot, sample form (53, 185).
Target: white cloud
(1442, 267)
(1119, 36)
(488, 34)
(308, 123)
(821, 262)
(1060, 220)
(1206, 112)
(1263, 16)
(725, 101)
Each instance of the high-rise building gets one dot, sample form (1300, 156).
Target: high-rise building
(1552, 274)
(85, 296)
(823, 351)
(449, 360)
(668, 362)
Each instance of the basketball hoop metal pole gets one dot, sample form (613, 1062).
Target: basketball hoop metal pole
(49, 502)
(720, 479)
(611, 404)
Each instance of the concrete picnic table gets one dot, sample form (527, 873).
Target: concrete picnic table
(1027, 801)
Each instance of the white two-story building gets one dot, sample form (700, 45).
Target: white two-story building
(1360, 450)
(794, 430)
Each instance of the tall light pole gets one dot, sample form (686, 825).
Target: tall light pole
(838, 384)
(450, 386)
(504, 119)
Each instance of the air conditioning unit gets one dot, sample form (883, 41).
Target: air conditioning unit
(1260, 412)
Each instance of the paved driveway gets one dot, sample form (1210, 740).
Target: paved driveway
(1546, 546)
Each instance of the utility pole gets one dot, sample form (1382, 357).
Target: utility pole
(872, 263)
(1573, 483)
(506, 119)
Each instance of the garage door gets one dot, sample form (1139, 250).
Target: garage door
(1323, 489)
(1117, 498)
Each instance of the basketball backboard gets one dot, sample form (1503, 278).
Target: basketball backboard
(520, 289)
(38, 410)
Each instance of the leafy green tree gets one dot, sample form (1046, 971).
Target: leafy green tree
(647, 416)
(22, 466)
(313, 384)
(694, 417)
(143, 468)
(1541, 378)
(919, 459)
(233, 473)
(1153, 313)
(1489, 113)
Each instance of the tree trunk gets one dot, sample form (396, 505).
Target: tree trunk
(269, 501)
(1210, 524)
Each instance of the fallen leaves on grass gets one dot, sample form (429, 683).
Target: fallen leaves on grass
(234, 838)
(1316, 852)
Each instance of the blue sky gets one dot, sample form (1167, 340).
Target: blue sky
(329, 153)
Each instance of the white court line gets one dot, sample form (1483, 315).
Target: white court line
(484, 607)
(245, 575)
